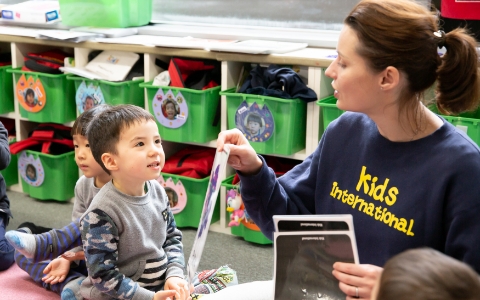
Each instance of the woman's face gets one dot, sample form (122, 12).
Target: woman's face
(356, 86)
(170, 109)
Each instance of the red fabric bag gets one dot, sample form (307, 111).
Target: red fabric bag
(465, 10)
(193, 73)
(47, 138)
(45, 62)
(193, 161)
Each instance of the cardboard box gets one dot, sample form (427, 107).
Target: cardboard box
(32, 12)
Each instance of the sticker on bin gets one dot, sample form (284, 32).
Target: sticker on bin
(171, 111)
(177, 196)
(31, 169)
(31, 94)
(256, 123)
(88, 96)
(235, 207)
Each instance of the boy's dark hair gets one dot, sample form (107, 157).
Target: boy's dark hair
(82, 121)
(255, 118)
(427, 274)
(104, 130)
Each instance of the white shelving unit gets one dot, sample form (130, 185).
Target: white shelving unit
(314, 60)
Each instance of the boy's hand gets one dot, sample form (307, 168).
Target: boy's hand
(168, 295)
(56, 271)
(71, 256)
(179, 285)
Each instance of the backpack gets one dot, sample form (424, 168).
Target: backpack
(193, 161)
(45, 62)
(46, 138)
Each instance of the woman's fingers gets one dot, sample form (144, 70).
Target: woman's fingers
(356, 281)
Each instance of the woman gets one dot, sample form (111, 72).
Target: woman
(408, 177)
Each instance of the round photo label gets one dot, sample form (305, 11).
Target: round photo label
(31, 169)
(88, 96)
(31, 94)
(177, 196)
(256, 123)
(170, 110)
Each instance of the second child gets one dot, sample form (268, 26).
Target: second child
(38, 254)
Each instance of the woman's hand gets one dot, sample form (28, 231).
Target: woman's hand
(353, 277)
(56, 271)
(242, 156)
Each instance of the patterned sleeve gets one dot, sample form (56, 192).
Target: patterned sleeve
(100, 243)
(174, 248)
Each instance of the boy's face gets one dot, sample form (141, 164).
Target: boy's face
(140, 155)
(170, 198)
(84, 157)
(30, 98)
(170, 109)
(253, 127)
(88, 103)
(31, 172)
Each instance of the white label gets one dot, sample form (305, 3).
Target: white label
(462, 128)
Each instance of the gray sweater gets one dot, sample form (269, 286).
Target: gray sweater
(131, 244)
(85, 190)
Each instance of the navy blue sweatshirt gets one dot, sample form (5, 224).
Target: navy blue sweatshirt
(402, 195)
(4, 162)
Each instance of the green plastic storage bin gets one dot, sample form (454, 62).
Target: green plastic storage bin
(197, 118)
(60, 174)
(329, 112)
(468, 122)
(6, 88)
(106, 13)
(193, 192)
(10, 173)
(55, 95)
(124, 92)
(289, 121)
(252, 234)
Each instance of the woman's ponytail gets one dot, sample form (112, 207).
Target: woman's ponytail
(458, 78)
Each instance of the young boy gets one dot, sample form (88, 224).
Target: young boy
(426, 274)
(35, 252)
(132, 246)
